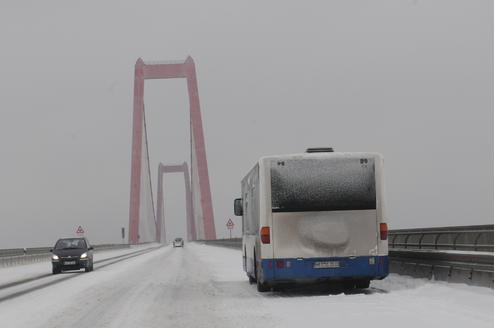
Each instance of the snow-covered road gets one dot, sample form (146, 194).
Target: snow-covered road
(204, 286)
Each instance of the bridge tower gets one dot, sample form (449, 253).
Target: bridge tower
(202, 209)
(160, 213)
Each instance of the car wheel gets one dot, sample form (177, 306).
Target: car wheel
(56, 271)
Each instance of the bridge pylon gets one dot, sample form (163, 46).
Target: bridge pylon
(201, 203)
(160, 213)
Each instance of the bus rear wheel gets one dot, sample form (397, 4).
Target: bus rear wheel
(262, 287)
(363, 284)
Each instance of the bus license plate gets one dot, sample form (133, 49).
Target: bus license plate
(326, 264)
(69, 262)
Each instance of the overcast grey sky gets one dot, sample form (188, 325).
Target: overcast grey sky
(411, 79)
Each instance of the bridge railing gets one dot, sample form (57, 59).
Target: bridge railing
(478, 238)
(464, 238)
(455, 254)
(230, 243)
(17, 256)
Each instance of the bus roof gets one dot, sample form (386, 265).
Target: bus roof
(322, 155)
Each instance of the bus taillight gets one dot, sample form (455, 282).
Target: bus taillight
(383, 231)
(265, 235)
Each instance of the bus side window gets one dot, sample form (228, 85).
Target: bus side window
(245, 214)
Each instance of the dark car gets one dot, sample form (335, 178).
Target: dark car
(72, 254)
(178, 242)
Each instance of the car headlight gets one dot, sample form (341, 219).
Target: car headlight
(55, 257)
(84, 255)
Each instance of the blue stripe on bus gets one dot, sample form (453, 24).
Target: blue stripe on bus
(349, 267)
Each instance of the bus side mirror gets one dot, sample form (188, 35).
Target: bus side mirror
(238, 206)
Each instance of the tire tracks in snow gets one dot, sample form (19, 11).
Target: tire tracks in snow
(70, 275)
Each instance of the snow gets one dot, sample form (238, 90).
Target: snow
(204, 286)
(26, 271)
(328, 183)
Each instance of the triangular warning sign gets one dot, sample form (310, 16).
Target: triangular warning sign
(80, 230)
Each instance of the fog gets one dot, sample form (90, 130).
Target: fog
(410, 79)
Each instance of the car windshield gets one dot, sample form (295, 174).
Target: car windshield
(72, 243)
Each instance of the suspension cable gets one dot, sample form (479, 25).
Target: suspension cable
(149, 169)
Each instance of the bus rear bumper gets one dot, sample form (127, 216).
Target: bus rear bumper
(335, 268)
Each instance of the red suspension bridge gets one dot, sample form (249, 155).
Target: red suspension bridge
(146, 224)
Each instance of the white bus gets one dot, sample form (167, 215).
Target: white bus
(314, 216)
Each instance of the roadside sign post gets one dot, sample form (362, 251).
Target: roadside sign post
(80, 231)
(230, 226)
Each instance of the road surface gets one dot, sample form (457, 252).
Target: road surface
(204, 286)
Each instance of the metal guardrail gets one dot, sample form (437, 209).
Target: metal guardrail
(469, 238)
(454, 254)
(17, 256)
(43, 250)
(230, 243)
(23, 251)
(471, 269)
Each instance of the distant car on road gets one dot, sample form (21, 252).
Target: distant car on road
(178, 242)
(72, 254)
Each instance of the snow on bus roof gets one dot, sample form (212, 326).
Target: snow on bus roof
(322, 155)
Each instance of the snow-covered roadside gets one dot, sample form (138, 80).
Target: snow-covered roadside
(395, 301)
(59, 305)
(204, 286)
(26, 271)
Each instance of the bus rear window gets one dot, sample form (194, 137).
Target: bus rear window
(323, 184)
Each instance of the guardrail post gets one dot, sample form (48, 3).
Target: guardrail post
(455, 240)
(436, 240)
(405, 241)
(476, 240)
(421, 240)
